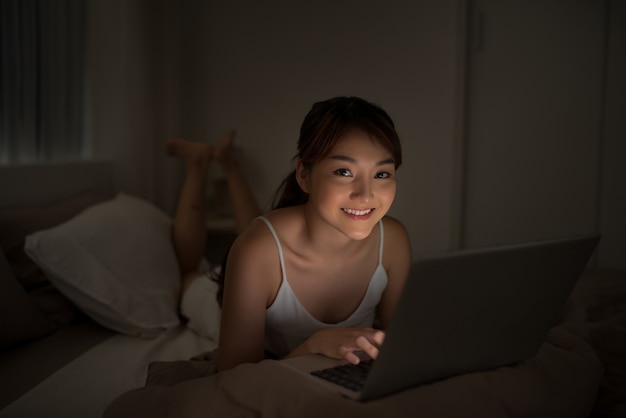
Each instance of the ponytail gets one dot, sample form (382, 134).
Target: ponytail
(289, 193)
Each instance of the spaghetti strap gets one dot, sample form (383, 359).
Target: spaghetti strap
(382, 242)
(280, 248)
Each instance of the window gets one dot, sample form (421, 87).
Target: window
(41, 80)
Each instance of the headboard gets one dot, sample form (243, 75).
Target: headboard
(27, 185)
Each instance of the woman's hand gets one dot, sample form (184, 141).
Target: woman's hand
(343, 343)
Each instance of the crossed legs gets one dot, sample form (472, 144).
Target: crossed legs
(188, 230)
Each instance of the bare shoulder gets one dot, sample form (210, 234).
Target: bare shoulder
(394, 226)
(397, 263)
(253, 245)
(396, 252)
(253, 262)
(253, 235)
(397, 249)
(396, 235)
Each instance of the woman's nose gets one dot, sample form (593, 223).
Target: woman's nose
(362, 189)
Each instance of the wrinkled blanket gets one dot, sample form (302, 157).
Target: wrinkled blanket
(563, 379)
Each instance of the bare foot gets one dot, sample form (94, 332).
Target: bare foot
(224, 151)
(190, 152)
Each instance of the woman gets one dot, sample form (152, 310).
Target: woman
(312, 275)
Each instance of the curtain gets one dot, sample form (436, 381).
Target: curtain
(41, 80)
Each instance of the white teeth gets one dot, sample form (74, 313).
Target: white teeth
(357, 212)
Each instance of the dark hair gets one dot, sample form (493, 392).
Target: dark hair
(326, 123)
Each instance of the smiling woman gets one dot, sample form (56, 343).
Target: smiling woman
(358, 176)
(314, 274)
(41, 76)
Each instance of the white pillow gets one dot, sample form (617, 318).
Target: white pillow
(116, 262)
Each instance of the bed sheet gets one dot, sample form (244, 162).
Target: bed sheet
(85, 386)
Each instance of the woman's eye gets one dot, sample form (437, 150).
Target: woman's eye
(343, 172)
(383, 175)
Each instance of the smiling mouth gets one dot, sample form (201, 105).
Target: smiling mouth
(359, 212)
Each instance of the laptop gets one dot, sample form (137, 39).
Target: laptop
(463, 312)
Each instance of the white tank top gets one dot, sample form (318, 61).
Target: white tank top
(288, 323)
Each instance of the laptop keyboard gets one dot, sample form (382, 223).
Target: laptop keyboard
(351, 376)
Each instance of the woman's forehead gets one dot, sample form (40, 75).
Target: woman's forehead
(357, 142)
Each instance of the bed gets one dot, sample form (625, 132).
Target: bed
(90, 327)
(70, 345)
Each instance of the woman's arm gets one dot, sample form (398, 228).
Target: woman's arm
(247, 292)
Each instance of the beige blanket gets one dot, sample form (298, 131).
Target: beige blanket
(560, 381)
(578, 372)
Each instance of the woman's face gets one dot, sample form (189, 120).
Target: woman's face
(353, 187)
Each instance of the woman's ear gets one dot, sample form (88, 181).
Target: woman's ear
(302, 176)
